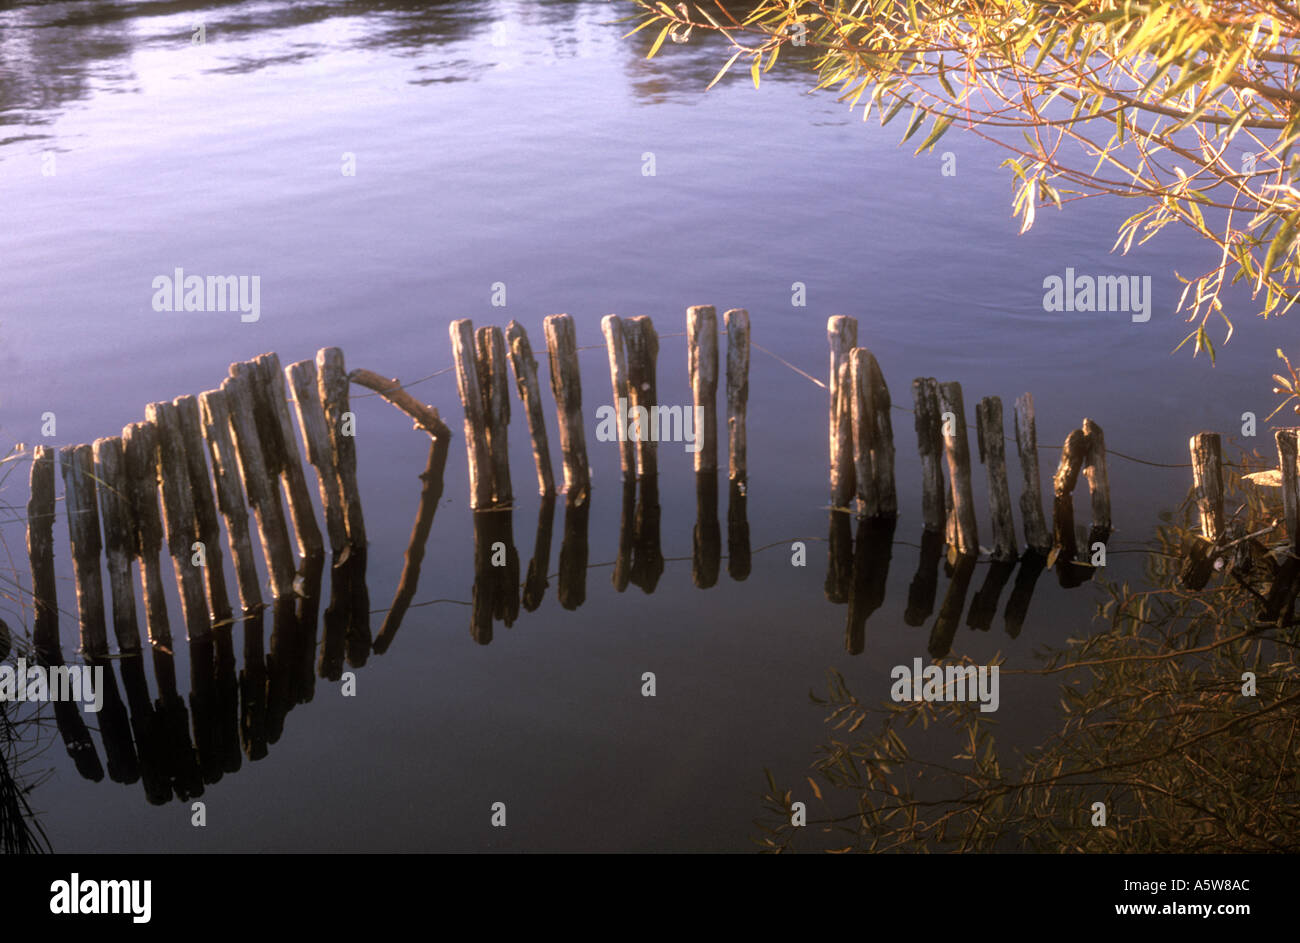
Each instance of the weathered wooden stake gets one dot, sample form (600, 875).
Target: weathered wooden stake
(842, 334)
(1031, 495)
(471, 397)
(957, 450)
(873, 437)
(270, 376)
(1073, 453)
(45, 629)
(119, 540)
(333, 383)
(525, 369)
(494, 386)
(737, 324)
(320, 452)
(612, 327)
(206, 526)
(929, 442)
(1207, 477)
(83, 529)
(1094, 470)
(702, 371)
(863, 429)
(566, 386)
(993, 453)
(843, 471)
(642, 343)
(215, 415)
(178, 513)
(40, 553)
(140, 441)
(259, 486)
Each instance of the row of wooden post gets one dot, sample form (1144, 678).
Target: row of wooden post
(862, 458)
(248, 431)
(632, 345)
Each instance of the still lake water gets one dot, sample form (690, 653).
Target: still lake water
(504, 142)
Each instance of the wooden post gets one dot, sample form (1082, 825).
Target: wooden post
(206, 526)
(178, 513)
(1288, 464)
(612, 327)
(862, 424)
(1207, 476)
(566, 385)
(271, 379)
(45, 602)
(843, 471)
(873, 437)
(525, 369)
(333, 383)
(258, 485)
(494, 386)
(737, 324)
(40, 554)
(1031, 495)
(842, 334)
(230, 495)
(119, 540)
(83, 530)
(929, 442)
(993, 453)
(957, 451)
(702, 369)
(140, 441)
(642, 342)
(476, 440)
(1067, 476)
(320, 453)
(882, 447)
(1094, 470)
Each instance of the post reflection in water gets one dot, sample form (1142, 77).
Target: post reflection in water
(857, 573)
(706, 543)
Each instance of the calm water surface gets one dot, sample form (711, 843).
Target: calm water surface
(504, 142)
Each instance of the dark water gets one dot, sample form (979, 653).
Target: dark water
(504, 142)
